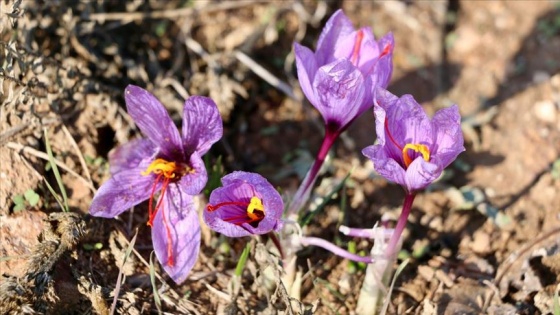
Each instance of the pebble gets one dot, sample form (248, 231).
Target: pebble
(545, 111)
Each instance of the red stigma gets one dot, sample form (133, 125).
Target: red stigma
(386, 50)
(390, 135)
(357, 47)
(211, 208)
(165, 173)
(254, 211)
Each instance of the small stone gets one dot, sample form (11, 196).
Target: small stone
(481, 243)
(545, 111)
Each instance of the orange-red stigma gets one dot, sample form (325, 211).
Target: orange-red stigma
(357, 47)
(165, 172)
(421, 148)
(254, 211)
(385, 51)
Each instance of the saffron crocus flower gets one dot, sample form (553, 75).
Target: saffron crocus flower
(339, 78)
(246, 204)
(167, 162)
(413, 150)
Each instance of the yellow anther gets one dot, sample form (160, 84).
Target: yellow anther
(255, 204)
(422, 149)
(161, 166)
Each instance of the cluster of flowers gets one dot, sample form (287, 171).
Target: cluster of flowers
(345, 76)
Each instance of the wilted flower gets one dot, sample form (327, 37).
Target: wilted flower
(167, 162)
(246, 204)
(339, 78)
(413, 150)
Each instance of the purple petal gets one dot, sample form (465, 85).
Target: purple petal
(365, 55)
(241, 187)
(383, 68)
(449, 136)
(123, 190)
(306, 68)
(130, 154)
(341, 93)
(408, 122)
(384, 165)
(383, 100)
(202, 124)
(182, 232)
(338, 26)
(194, 181)
(153, 120)
(420, 174)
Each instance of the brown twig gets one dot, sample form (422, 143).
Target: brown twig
(119, 277)
(12, 132)
(78, 153)
(44, 156)
(169, 14)
(265, 74)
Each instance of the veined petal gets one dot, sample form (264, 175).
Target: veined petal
(364, 55)
(449, 136)
(176, 232)
(383, 68)
(130, 154)
(383, 101)
(202, 124)
(194, 181)
(420, 174)
(306, 68)
(384, 98)
(152, 119)
(338, 26)
(384, 165)
(408, 122)
(123, 190)
(340, 88)
(367, 99)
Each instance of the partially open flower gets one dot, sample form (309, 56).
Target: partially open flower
(246, 204)
(412, 149)
(340, 76)
(339, 79)
(166, 162)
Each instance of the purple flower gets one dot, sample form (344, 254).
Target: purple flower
(340, 77)
(166, 162)
(413, 150)
(246, 204)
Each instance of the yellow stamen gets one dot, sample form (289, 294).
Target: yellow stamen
(161, 166)
(422, 149)
(255, 204)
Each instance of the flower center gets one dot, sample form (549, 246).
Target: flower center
(254, 211)
(357, 47)
(421, 148)
(165, 172)
(169, 170)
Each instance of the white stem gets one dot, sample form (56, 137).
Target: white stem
(378, 276)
